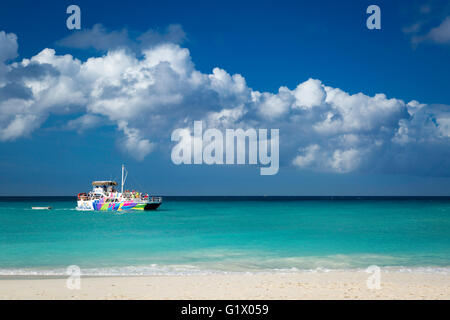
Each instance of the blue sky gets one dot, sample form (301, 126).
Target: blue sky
(395, 148)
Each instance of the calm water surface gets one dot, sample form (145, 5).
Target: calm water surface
(198, 235)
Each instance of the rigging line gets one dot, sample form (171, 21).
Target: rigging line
(134, 181)
(117, 179)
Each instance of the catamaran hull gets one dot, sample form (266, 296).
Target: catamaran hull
(101, 205)
(152, 206)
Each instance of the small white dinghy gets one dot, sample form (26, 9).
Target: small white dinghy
(41, 208)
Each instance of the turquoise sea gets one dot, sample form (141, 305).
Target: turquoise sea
(196, 235)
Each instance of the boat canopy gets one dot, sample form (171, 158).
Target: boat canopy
(104, 183)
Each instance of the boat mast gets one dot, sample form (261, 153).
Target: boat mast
(124, 177)
(121, 190)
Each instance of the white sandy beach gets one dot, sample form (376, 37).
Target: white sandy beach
(323, 285)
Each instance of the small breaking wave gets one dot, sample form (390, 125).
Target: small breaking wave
(187, 270)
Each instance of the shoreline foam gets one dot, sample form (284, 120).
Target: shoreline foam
(188, 270)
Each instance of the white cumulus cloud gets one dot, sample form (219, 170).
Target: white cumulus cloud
(148, 93)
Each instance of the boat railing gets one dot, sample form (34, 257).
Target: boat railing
(156, 199)
(127, 198)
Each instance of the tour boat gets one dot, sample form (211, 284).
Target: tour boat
(105, 197)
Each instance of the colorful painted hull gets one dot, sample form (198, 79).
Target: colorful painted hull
(101, 205)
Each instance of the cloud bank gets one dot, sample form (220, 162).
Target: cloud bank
(148, 94)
